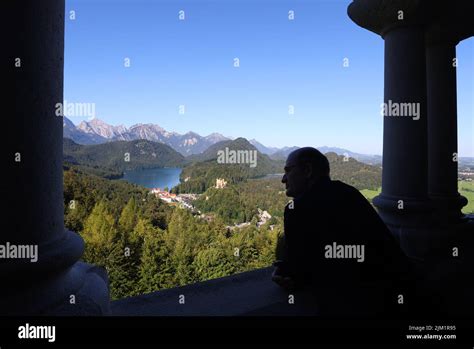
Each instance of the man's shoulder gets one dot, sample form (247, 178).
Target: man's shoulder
(346, 190)
(325, 197)
(332, 191)
(344, 187)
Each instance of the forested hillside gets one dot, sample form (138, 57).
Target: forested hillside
(200, 176)
(146, 245)
(122, 155)
(355, 173)
(205, 169)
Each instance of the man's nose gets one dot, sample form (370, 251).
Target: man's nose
(283, 179)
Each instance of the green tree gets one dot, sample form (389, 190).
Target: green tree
(213, 262)
(128, 217)
(123, 267)
(177, 238)
(99, 227)
(155, 268)
(75, 215)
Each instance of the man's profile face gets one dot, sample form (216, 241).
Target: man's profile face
(296, 177)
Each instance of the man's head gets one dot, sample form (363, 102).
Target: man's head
(303, 168)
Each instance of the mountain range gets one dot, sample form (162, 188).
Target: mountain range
(97, 131)
(282, 153)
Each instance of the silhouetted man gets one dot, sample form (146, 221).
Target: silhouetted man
(335, 245)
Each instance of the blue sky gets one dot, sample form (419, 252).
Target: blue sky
(282, 63)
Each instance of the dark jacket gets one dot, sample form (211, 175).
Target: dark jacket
(334, 214)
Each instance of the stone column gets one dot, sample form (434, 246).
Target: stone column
(35, 193)
(404, 198)
(403, 204)
(442, 127)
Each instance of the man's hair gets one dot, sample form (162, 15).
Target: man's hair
(313, 156)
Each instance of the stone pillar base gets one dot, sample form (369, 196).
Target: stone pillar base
(447, 209)
(405, 212)
(436, 241)
(56, 284)
(81, 290)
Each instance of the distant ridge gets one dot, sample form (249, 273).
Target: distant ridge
(97, 131)
(191, 144)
